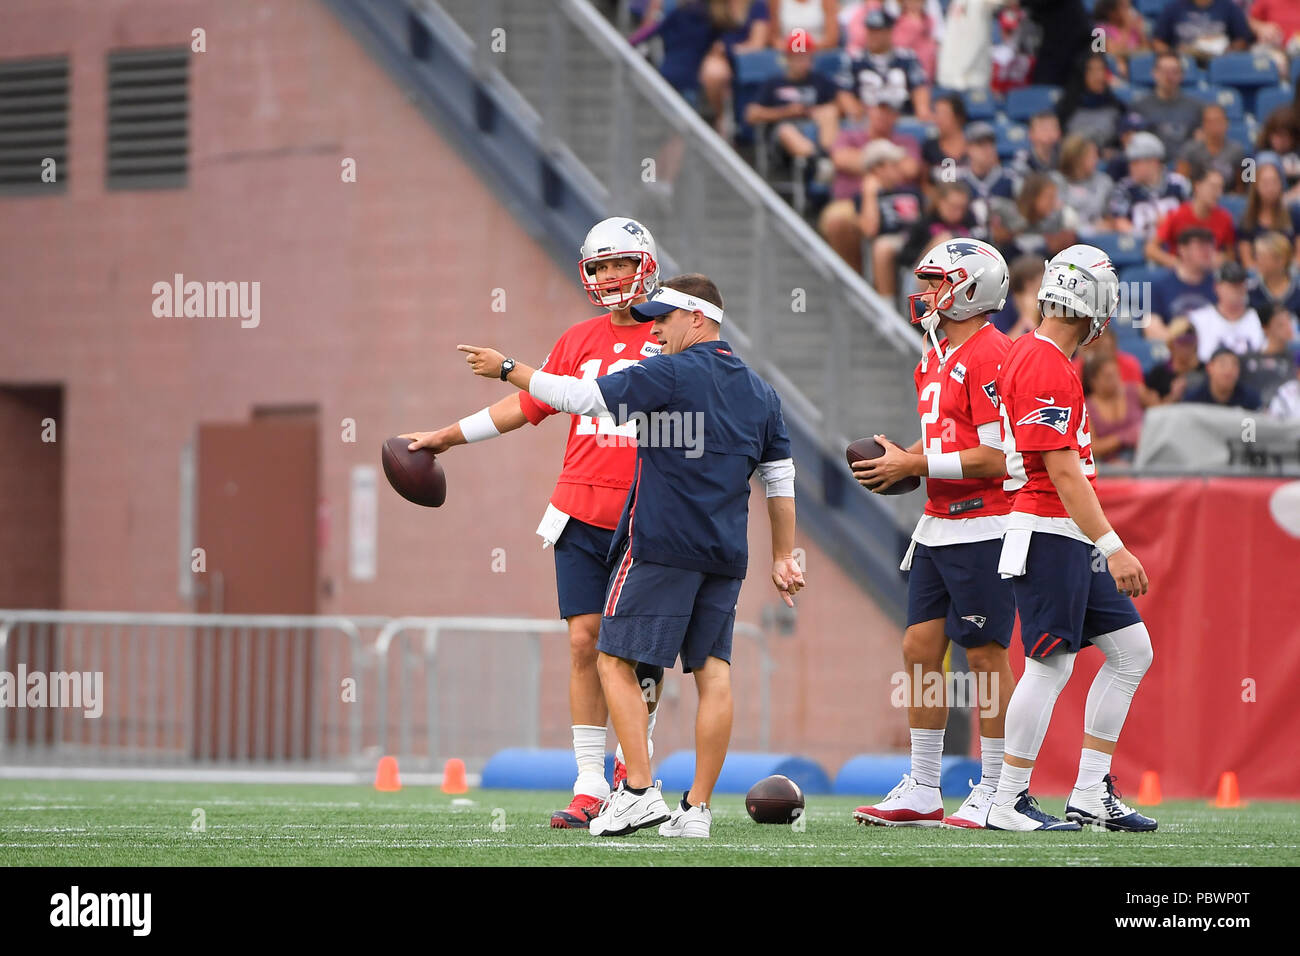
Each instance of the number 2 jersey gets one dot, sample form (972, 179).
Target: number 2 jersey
(599, 456)
(954, 398)
(1043, 410)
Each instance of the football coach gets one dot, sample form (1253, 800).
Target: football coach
(682, 540)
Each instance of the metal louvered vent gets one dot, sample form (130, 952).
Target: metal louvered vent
(34, 125)
(148, 118)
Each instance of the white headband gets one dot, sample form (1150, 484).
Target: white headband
(690, 303)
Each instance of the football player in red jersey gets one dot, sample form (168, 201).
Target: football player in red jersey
(953, 589)
(1073, 578)
(618, 266)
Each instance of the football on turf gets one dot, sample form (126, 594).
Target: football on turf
(415, 475)
(864, 449)
(774, 799)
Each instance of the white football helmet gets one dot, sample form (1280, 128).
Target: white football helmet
(1081, 280)
(618, 238)
(974, 281)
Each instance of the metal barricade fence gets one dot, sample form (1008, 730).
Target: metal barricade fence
(93, 688)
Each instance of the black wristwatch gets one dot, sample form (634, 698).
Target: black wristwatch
(507, 366)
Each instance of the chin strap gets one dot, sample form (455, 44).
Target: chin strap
(925, 352)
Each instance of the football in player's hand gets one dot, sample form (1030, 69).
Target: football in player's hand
(415, 475)
(864, 449)
(774, 799)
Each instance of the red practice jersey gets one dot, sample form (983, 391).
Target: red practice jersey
(599, 456)
(954, 399)
(1043, 410)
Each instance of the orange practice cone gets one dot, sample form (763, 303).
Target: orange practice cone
(386, 775)
(1149, 789)
(453, 776)
(1228, 794)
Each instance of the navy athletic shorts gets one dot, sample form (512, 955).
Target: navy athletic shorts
(582, 567)
(654, 613)
(960, 583)
(1066, 596)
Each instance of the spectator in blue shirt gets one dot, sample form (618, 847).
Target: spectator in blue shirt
(797, 96)
(1189, 285)
(1223, 385)
(1202, 28)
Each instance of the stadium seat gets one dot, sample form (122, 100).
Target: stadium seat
(1124, 250)
(1150, 9)
(1028, 101)
(1234, 204)
(1140, 66)
(1135, 285)
(752, 71)
(1242, 131)
(828, 63)
(1225, 96)
(919, 130)
(1126, 94)
(980, 105)
(1012, 137)
(1270, 98)
(1141, 349)
(1243, 69)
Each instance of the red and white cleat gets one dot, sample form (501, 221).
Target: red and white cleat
(578, 814)
(973, 814)
(908, 805)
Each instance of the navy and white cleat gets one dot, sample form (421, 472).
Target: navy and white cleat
(1100, 805)
(1025, 814)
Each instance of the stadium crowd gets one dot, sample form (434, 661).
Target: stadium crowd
(1163, 131)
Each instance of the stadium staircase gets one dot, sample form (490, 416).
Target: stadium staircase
(569, 125)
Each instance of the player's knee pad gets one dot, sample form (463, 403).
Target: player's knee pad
(1128, 651)
(648, 672)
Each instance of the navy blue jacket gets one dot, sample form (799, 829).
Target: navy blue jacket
(710, 420)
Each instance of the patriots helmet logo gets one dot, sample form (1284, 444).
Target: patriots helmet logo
(1053, 416)
(635, 229)
(964, 247)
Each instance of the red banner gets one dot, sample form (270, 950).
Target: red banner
(1223, 557)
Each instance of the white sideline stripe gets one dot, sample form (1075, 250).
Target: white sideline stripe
(218, 775)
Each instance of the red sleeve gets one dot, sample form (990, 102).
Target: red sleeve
(557, 363)
(1044, 412)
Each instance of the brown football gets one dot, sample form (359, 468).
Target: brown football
(864, 449)
(774, 799)
(415, 475)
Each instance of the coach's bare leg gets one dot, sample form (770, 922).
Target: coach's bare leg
(586, 700)
(924, 645)
(712, 727)
(992, 659)
(627, 708)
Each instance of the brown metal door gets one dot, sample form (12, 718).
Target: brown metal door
(257, 495)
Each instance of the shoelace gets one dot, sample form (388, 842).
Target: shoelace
(904, 785)
(1035, 812)
(1112, 799)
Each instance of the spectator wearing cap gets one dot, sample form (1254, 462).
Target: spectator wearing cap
(1286, 402)
(1202, 28)
(1036, 223)
(1083, 187)
(1148, 193)
(1168, 381)
(1266, 209)
(1211, 147)
(1114, 409)
(816, 20)
(1276, 281)
(1223, 385)
(1170, 113)
(799, 94)
(1044, 150)
(1124, 29)
(1188, 286)
(882, 71)
(1201, 211)
(1021, 313)
(950, 216)
(1089, 108)
(966, 50)
(945, 151)
(1230, 322)
(983, 176)
(888, 208)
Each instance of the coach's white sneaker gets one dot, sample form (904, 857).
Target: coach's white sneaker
(908, 805)
(973, 814)
(627, 812)
(690, 822)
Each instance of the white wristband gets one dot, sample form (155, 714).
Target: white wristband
(946, 465)
(479, 426)
(1109, 543)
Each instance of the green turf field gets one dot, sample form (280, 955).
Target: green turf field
(46, 822)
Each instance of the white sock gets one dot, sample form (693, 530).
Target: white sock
(1093, 765)
(650, 723)
(991, 753)
(927, 756)
(589, 751)
(1013, 782)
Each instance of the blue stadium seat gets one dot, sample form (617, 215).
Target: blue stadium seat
(1270, 98)
(1135, 283)
(1126, 94)
(1139, 69)
(1243, 69)
(828, 63)
(1027, 101)
(1225, 96)
(1141, 349)
(1234, 204)
(913, 127)
(1150, 8)
(980, 105)
(1012, 137)
(752, 71)
(1124, 250)
(1242, 131)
